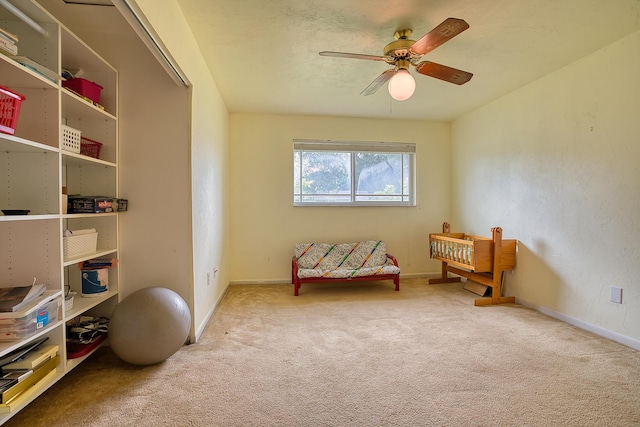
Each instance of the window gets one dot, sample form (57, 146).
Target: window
(353, 173)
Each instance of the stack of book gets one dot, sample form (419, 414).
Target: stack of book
(18, 297)
(8, 42)
(21, 378)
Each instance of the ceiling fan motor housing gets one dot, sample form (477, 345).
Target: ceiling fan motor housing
(401, 48)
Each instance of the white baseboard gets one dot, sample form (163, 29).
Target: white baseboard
(418, 275)
(598, 330)
(262, 282)
(288, 280)
(207, 318)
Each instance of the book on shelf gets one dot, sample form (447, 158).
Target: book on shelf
(18, 374)
(20, 352)
(41, 69)
(7, 35)
(38, 373)
(33, 359)
(28, 394)
(97, 263)
(8, 46)
(6, 384)
(17, 297)
(24, 397)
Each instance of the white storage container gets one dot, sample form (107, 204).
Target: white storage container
(71, 139)
(68, 301)
(22, 324)
(74, 246)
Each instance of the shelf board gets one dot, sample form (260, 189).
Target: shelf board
(76, 159)
(88, 215)
(16, 75)
(72, 363)
(74, 105)
(82, 304)
(15, 144)
(40, 217)
(36, 217)
(91, 255)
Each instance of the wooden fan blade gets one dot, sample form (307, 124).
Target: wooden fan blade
(353, 56)
(379, 81)
(448, 29)
(443, 72)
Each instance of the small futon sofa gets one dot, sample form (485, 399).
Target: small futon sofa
(327, 262)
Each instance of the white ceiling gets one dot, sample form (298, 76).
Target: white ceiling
(264, 54)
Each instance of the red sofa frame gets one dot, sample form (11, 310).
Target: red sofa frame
(297, 281)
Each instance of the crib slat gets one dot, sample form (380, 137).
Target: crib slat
(453, 249)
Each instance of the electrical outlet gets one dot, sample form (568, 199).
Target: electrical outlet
(615, 295)
(208, 278)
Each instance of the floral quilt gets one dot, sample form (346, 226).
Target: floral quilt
(343, 260)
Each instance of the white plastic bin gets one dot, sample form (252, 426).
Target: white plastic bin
(23, 324)
(74, 246)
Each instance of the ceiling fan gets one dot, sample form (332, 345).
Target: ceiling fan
(404, 52)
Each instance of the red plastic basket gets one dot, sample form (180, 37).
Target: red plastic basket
(89, 147)
(84, 88)
(9, 110)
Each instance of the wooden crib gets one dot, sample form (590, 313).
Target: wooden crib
(480, 259)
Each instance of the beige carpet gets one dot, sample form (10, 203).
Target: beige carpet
(359, 355)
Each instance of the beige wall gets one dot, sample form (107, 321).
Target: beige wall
(555, 164)
(207, 139)
(265, 225)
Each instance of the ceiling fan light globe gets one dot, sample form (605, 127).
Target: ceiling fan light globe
(402, 85)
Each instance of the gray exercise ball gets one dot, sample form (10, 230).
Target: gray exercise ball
(149, 325)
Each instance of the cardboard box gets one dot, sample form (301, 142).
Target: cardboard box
(91, 204)
(122, 205)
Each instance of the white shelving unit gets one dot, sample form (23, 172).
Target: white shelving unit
(34, 168)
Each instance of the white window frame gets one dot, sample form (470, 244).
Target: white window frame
(305, 145)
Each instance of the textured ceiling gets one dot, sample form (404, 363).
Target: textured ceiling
(264, 54)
